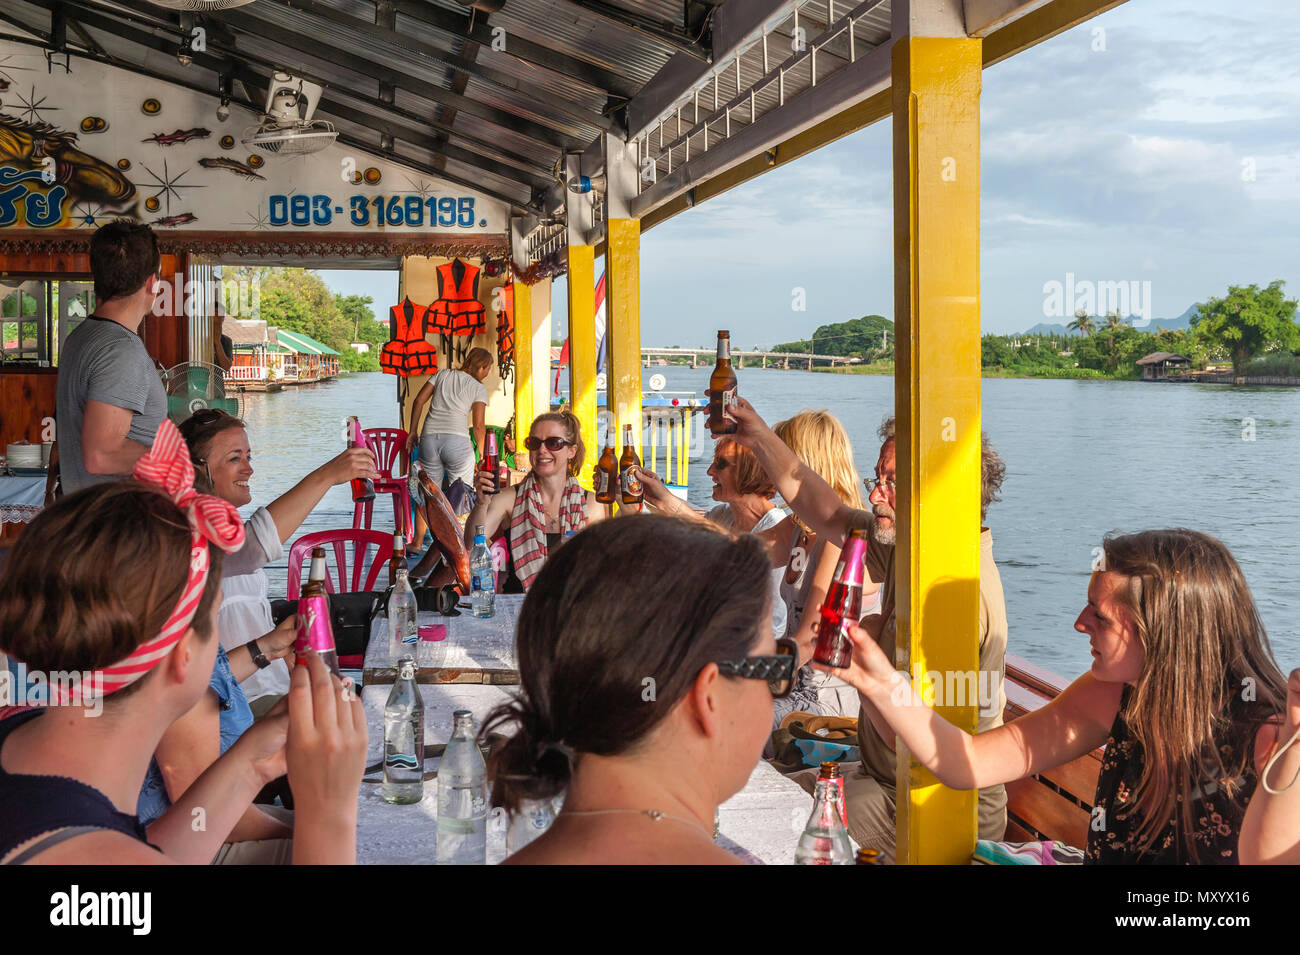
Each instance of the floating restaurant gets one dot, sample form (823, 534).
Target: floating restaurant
(484, 152)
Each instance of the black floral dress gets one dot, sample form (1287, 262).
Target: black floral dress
(1113, 833)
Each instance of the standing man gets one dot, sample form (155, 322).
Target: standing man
(871, 793)
(110, 398)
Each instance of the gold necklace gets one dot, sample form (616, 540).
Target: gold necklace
(655, 814)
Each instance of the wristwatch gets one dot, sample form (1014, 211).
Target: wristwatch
(258, 656)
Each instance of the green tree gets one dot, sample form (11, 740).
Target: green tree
(1083, 323)
(1247, 322)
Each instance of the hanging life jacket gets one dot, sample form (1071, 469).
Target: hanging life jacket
(458, 310)
(506, 332)
(408, 353)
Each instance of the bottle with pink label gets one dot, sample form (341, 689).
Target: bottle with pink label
(315, 632)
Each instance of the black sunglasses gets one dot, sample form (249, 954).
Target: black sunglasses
(777, 669)
(552, 443)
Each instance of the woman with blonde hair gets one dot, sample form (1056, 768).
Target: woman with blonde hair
(819, 440)
(540, 510)
(1183, 693)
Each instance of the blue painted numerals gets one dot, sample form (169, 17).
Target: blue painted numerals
(363, 211)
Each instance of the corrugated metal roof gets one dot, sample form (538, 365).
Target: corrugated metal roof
(303, 344)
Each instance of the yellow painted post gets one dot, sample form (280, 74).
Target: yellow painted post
(936, 113)
(654, 445)
(582, 348)
(684, 450)
(524, 370)
(623, 323)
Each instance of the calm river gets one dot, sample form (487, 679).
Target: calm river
(1083, 459)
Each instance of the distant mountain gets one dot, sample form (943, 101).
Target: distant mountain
(1183, 321)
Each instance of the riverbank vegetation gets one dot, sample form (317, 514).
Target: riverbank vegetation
(299, 300)
(1251, 329)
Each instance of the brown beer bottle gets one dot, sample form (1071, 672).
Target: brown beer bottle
(630, 483)
(607, 471)
(722, 389)
(398, 560)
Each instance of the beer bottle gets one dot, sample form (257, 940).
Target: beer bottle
(843, 604)
(398, 561)
(492, 461)
(632, 490)
(607, 471)
(722, 389)
(363, 489)
(315, 632)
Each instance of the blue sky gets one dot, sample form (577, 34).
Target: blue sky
(1164, 149)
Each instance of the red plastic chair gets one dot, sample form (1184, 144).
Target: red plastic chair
(347, 573)
(388, 445)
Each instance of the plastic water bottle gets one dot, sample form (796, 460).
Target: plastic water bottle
(825, 840)
(404, 739)
(482, 574)
(462, 797)
(403, 630)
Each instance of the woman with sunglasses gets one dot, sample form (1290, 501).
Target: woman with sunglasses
(540, 510)
(646, 700)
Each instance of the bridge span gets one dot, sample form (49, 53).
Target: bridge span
(780, 359)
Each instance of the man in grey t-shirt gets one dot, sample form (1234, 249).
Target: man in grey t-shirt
(110, 398)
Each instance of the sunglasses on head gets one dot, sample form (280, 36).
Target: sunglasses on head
(775, 669)
(552, 443)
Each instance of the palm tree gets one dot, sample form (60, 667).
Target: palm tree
(1083, 323)
(1114, 322)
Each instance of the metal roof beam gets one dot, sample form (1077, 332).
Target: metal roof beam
(209, 61)
(666, 35)
(402, 43)
(542, 134)
(598, 78)
(837, 92)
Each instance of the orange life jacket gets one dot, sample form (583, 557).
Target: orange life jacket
(458, 310)
(408, 353)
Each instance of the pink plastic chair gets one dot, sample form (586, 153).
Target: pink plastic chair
(388, 444)
(350, 572)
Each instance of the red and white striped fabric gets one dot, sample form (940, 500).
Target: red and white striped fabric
(528, 524)
(167, 466)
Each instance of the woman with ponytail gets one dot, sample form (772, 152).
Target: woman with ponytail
(647, 670)
(537, 513)
(111, 594)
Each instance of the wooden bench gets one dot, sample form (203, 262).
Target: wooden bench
(1056, 803)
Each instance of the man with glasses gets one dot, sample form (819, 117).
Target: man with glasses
(870, 794)
(110, 398)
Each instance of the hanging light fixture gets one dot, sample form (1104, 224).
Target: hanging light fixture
(200, 5)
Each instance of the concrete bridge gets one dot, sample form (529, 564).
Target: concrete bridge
(779, 359)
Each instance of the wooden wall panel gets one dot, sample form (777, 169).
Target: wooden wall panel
(25, 400)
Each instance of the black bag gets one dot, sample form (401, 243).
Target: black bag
(350, 617)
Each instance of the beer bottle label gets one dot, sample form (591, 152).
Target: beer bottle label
(602, 481)
(728, 402)
(314, 630)
(631, 484)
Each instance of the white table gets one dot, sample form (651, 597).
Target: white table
(475, 650)
(21, 497)
(760, 824)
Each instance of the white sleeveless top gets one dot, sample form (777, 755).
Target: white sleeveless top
(245, 612)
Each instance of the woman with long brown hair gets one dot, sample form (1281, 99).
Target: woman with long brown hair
(118, 584)
(646, 702)
(1183, 692)
(537, 512)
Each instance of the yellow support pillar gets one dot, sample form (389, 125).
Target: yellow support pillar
(936, 112)
(623, 324)
(524, 365)
(582, 349)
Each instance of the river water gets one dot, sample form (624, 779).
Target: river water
(1083, 458)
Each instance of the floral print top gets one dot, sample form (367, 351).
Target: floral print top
(1113, 831)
